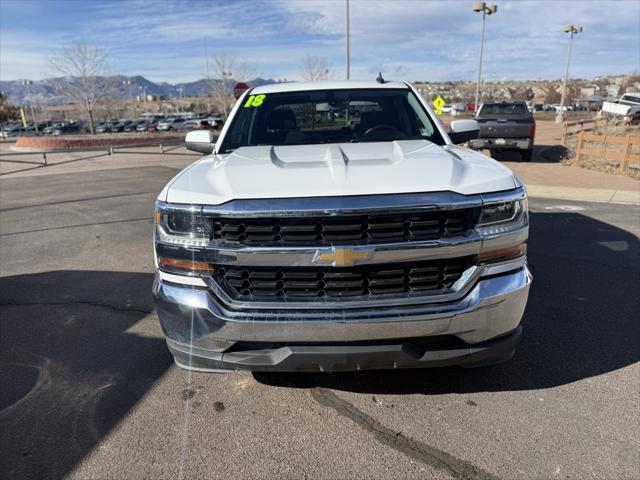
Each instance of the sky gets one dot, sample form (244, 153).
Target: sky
(412, 40)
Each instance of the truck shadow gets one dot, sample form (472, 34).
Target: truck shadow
(70, 367)
(541, 154)
(581, 320)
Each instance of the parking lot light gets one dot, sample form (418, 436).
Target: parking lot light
(486, 10)
(572, 30)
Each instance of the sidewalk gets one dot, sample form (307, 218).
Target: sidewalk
(555, 180)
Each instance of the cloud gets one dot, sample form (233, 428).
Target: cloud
(406, 39)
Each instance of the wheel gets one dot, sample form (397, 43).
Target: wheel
(494, 154)
(525, 155)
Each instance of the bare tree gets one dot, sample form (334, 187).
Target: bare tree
(8, 112)
(314, 68)
(85, 75)
(227, 70)
(551, 94)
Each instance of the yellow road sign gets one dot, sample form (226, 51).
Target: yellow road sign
(438, 103)
(24, 119)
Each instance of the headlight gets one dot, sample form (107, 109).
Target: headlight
(502, 217)
(185, 226)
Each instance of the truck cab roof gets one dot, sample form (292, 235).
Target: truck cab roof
(326, 85)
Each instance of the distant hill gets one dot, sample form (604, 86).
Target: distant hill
(48, 91)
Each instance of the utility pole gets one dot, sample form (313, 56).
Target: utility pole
(206, 64)
(28, 83)
(571, 29)
(486, 10)
(346, 43)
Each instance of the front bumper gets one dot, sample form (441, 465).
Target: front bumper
(204, 334)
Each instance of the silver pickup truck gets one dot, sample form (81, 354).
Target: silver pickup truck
(338, 226)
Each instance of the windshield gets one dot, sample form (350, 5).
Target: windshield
(330, 116)
(630, 98)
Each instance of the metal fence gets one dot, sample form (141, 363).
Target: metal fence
(164, 148)
(102, 151)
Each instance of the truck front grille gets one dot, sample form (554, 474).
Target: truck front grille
(294, 283)
(344, 229)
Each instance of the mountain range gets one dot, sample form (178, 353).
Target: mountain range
(48, 91)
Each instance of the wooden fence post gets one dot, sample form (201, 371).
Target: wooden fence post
(579, 147)
(624, 164)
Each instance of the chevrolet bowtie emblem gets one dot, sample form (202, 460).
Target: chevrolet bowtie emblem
(343, 257)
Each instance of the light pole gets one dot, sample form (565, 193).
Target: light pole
(572, 30)
(180, 89)
(127, 82)
(486, 10)
(346, 43)
(28, 84)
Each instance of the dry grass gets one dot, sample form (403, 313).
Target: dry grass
(567, 154)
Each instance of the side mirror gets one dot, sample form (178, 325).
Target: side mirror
(464, 130)
(200, 141)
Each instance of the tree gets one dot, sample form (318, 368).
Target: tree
(85, 75)
(551, 94)
(8, 112)
(629, 82)
(314, 68)
(226, 68)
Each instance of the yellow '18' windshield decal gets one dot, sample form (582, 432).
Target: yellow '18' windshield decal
(254, 100)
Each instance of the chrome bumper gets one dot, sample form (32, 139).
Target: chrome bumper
(194, 320)
(509, 143)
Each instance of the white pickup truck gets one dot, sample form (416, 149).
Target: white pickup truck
(628, 107)
(338, 226)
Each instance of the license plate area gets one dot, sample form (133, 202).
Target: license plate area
(500, 141)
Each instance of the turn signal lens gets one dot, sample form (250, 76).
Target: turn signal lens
(179, 264)
(501, 254)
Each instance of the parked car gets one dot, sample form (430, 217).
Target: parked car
(143, 126)
(216, 122)
(66, 129)
(458, 108)
(375, 244)
(102, 127)
(174, 123)
(192, 124)
(505, 126)
(49, 129)
(118, 126)
(132, 125)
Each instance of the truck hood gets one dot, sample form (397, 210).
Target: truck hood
(407, 166)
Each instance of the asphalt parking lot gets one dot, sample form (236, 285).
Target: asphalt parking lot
(89, 390)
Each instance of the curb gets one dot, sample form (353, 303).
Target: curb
(596, 195)
(62, 144)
